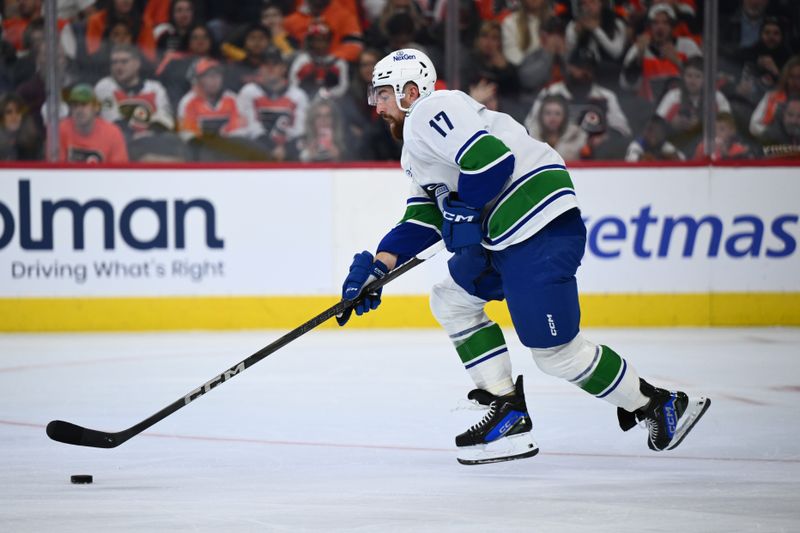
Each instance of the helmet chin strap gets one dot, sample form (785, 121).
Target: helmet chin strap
(398, 97)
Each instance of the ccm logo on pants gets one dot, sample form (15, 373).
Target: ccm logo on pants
(552, 324)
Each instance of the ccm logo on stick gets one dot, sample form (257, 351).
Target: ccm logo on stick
(213, 382)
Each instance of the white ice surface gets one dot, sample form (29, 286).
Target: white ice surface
(349, 430)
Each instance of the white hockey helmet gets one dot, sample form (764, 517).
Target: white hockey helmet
(400, 67)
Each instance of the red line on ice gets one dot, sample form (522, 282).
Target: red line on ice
(422, 449)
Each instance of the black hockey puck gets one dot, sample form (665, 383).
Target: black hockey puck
(81, 479)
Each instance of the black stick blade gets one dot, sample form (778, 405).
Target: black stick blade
(69, 433)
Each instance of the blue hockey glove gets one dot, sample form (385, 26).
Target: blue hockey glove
(363, 271)
(461, 226)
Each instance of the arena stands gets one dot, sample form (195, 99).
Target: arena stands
(285, 80)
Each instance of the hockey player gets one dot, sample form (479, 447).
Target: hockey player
(505, 205)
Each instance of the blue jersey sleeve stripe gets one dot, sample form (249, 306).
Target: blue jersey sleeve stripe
(407, 240)
(419, 200)
(477, 189)
(469, 143)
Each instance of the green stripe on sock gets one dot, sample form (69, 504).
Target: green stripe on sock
(605, 373)
(480, 342)
(525, 198)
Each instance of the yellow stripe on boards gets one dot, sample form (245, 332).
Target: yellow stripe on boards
(756, 309)
(288, 312)
(214, 313)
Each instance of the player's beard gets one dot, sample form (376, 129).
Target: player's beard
(396, 127)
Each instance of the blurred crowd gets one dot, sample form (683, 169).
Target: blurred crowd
(285, 80)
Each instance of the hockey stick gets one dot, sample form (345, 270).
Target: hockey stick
(69, 433)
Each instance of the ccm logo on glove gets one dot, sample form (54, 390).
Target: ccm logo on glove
(455, 217)
(461, 227)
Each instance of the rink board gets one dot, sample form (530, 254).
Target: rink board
(131, 249)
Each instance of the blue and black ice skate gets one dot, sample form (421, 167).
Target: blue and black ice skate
(669, 416)
(503, 434)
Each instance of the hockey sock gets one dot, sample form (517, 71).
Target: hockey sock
(485, 357)
(610, 377)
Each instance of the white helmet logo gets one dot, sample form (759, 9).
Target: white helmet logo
(402, 56)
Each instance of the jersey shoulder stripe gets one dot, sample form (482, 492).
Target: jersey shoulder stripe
(524, 199)
(485, 152)
(467, 145)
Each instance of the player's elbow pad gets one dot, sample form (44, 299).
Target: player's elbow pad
(477, 188)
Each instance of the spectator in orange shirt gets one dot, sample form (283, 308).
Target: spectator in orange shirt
(655, 60)
(157, 11)
(208, 110)
(727, 144)
(345, 27)
(121, 11)
(767, 109)
(14, 27)
(175, 70)
(84, 136)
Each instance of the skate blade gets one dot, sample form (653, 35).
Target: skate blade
(696, 409)
(506, 449)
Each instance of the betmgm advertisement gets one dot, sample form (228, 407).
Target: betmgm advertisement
(95, 249)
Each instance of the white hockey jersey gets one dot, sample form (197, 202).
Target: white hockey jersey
(148, 102)
(281, 115)
(449, 137)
